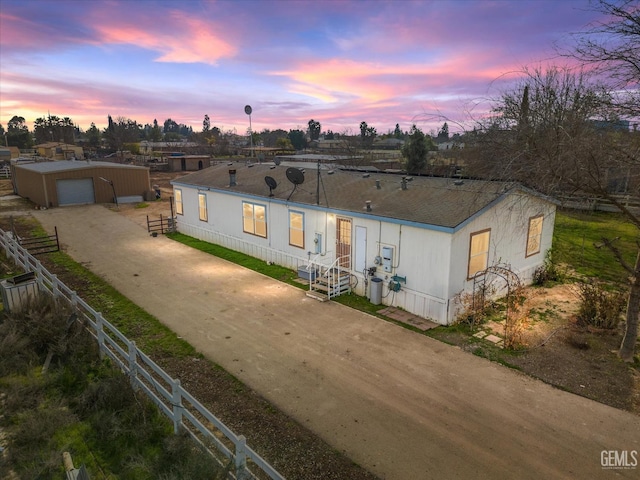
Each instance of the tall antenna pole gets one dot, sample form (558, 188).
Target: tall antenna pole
(248, 110)
(318, 185)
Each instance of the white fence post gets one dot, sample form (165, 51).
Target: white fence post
(74, 301)
(133, 364)
(100, 333)
(55, 286)
(241, 457)
(176, 400)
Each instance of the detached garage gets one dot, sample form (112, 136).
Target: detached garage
(53, 184)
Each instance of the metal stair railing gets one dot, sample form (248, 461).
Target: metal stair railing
(331, 276)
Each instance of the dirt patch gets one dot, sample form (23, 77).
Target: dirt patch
(138, 212)
(556, 350)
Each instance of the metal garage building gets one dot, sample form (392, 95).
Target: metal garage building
(53, 184)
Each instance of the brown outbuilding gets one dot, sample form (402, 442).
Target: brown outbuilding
(53, 184)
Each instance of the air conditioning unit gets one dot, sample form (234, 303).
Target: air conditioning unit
(17, 290)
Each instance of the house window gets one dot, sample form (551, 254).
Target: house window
(254, 219)
(178, 195)
(296, 229)
(534, 236)
(478, 252)
(202, 206)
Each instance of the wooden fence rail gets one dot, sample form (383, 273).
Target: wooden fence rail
(145, 375)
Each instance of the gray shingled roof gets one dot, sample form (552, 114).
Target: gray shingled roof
(67, 165)
(427, 200)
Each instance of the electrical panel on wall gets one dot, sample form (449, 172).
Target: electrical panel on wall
(318, 243)
(387, 258)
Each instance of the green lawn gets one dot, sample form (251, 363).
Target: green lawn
(577, 242)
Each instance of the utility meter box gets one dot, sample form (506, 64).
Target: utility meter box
(387, 258)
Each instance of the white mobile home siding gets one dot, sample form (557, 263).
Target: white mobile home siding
(433, 260)
(509, 224)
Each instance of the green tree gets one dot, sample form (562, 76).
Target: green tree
(93, 136)
(298, 139)
(284, 144)
(443, 133)
(206, 124)
(314, 129)
(155, 134)
(270, 137)
(170, 126)
(18, 134)
(397, 133)
(54, 129)
(122, 130)
(367, 134)
(415, 151)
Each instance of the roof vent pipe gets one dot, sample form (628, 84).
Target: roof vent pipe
(378, 184)
(232, 178)
(368, 205)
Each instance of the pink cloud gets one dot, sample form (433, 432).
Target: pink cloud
(188, 40)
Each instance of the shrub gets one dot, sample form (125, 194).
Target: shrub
(598, 307)
(548, 272)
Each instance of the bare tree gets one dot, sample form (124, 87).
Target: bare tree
(612, 47)
(556, 132)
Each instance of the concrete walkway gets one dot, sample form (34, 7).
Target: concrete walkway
(400, 404)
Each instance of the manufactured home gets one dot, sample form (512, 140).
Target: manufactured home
(417, 243)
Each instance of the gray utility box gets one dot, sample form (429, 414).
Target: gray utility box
(17, 290)
(309, 275)
(375, 293)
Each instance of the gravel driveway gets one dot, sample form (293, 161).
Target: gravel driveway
(398, 403)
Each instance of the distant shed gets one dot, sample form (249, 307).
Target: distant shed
(188, 163)
(53, 184)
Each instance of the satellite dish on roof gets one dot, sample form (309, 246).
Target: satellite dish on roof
(248, 109)
(271, 183)
(295, 176)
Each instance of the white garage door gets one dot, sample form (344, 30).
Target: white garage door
(76, 191)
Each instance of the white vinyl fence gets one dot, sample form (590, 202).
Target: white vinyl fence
(175, 402)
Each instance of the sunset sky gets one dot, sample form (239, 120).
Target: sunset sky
(337, 62)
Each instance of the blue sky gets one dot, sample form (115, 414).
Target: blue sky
(337, 62)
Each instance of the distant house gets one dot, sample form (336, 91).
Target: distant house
(148, 148)
(59, 151)
(423, 241)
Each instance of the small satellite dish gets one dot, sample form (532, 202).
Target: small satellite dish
(271, 183)
(295, 176)
(248, 109)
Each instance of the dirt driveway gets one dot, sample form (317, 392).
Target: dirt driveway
(400, 404)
